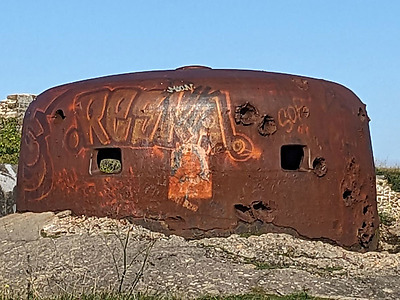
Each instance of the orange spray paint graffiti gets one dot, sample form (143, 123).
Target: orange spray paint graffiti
(291, 115)
(200, 152)
(190, 123)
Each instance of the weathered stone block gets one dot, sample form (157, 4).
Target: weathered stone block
(12, 104)
(11, 114)
(12, 97)
(8, 181)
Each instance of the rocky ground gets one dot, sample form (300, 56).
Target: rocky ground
(47, 254)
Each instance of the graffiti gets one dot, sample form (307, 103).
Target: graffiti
(128, 117)
(68, 182)
(180, 88)
(291, 115)
(204, 152)
(110, 193)
(190, 125)
(113, 107)
(190, 175)
(37, 166)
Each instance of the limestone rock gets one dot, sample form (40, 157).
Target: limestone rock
(24, 227)
(387, 199)
(390, 238)
(8, 180)
(12, 97)
(12, 104)
(77, 253)
(11, 114)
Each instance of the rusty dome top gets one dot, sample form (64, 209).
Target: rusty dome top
(205, 152)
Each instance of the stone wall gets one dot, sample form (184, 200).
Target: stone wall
(15, 106)
(388, 200)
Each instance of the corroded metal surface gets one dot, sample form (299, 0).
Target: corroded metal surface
(202, 152)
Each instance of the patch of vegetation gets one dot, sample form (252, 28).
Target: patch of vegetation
(249, 234)
(263, 265)
(94, 296)
(256, 295)
(50, 236)
(245, 235)
(10, 139)
(386, 219)
(263, 296)
(392, 175)
(110, 166)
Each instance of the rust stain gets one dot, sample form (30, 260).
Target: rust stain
(205, 152)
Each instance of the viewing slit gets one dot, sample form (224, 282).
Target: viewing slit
(109, 160)
(291, 157)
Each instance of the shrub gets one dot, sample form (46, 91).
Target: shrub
(386, 219)
(392, 175)
(110, 166)
(10, 139)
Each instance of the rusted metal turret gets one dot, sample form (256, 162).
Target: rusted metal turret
(202, 152)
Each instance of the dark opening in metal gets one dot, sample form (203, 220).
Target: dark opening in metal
(319, 166)
(267, 126)
(59, 114)
(291, 157)
(347, 194)
(245, 114)
(109, 160)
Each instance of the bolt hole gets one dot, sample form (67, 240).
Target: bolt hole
(347, 194)
(260, 206)
(244, 213)
(242, 208)
(245, 114)
(319, 166)
(364, 225)
(361, 114)
(267, 126)
(59, 114)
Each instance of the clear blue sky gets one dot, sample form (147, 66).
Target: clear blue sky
(355, 43)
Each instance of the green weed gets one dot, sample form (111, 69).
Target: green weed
(256, 295)
(263, 265)
(386, 219)
(10, 139)
(303, 295)
(392, 175)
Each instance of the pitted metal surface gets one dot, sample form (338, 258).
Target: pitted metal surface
(201, 152)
